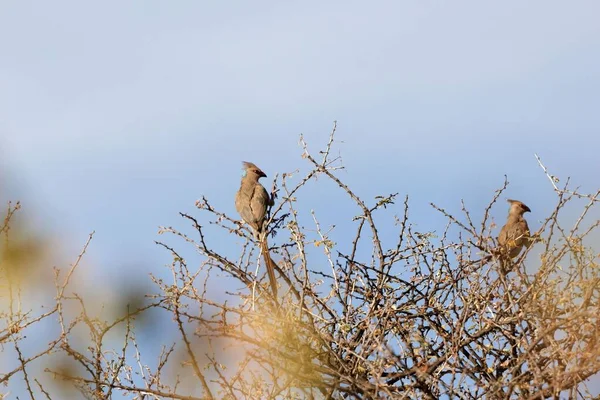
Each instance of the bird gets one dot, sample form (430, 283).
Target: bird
(251, 202)
(515, 234)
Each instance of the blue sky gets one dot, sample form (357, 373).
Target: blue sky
(116, 115)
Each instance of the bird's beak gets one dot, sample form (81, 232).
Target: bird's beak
(526, 209)
(262, 174)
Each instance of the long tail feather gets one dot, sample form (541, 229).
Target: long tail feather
(270, 265)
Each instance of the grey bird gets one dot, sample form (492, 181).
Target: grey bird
(515, 234)
(251, 202)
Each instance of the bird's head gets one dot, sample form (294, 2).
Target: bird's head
(518, 207)
(252, 170)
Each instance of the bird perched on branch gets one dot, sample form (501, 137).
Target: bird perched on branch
(251, 202)
(515, 234)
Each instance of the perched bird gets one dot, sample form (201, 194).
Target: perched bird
(251, 202)
(515, 234)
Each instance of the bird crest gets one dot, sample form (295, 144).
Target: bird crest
(519, 204)
(250, 167)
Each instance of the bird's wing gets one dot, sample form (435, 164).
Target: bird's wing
(522, 234)
(243, 204)
(503, 236)
(258, 204)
